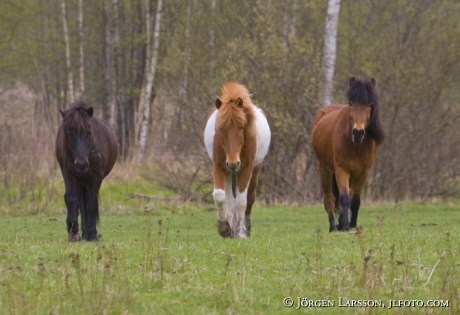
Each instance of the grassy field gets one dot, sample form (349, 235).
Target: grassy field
(157, 258)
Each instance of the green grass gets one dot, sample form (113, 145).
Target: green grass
(170, 260)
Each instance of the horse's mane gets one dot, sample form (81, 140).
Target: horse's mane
(365, 92)
(230, 114)
(76, 117)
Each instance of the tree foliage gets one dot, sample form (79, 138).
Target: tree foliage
(275, 49)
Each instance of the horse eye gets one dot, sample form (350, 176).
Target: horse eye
(241, 128)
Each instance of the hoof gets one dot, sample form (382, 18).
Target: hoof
(90, 238)
(74, 237)
(340, 228)
(248, 225)
(223, 228)
(241, 232)
(333, 229)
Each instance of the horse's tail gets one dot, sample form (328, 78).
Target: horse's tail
(335, 191)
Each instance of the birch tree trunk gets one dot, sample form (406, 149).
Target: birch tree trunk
(184, 85)
(138, 118)
(148, 94)
(120, 90)
(81, 49)
(330, 49)
(67, 53)
(110, 105)
(212, 47)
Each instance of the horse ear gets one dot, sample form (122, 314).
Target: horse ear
(90, 112)
(239, 102)
(351, 81)
(62, 113)
(218, 103)
(373, 82)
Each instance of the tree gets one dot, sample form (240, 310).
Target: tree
(67, 54)
(81, 48)
(147, 92)
(330, 49)
(109, 102)
(119, 81)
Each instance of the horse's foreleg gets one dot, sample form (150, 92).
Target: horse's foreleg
(70, 198)
(223, 226)
(342, 179)
(81, 199)
(241, 201)
(92, 212)
(356, 187)
(344, 223)
(354, 208)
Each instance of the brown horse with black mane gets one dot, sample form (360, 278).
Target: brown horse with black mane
(86, 149)
(345, 139)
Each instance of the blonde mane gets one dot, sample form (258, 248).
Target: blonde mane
(230, 114)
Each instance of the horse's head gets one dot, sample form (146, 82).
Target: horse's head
(231, 122)
(77, 129)
(361, 98)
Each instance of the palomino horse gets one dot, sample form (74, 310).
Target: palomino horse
(237, 137)
(86, 149)
(345, 140)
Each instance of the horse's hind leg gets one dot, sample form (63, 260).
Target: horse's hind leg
(251, 197)
(326, 178)
(70, 198)
(338, 208)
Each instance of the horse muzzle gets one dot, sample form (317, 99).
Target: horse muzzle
(357, 135)
(82, 166)
(233, 167)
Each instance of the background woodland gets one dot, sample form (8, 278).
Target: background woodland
(154, 75)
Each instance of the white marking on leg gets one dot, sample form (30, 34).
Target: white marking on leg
(219, 199)
(241, 202)
(230, 202)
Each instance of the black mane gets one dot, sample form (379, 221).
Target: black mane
(77, 117)
(365, 92)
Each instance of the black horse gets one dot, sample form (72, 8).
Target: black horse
(86, 149)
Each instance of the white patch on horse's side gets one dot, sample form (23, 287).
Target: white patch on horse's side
(263, 135)
(209, 133)
(220, 200)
